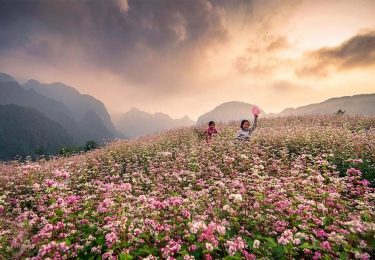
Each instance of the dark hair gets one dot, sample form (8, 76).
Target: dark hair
(243, 122)
(211, 123)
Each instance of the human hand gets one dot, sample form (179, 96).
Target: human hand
(256, 116)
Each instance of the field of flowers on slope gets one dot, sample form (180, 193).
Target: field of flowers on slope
(295, 191)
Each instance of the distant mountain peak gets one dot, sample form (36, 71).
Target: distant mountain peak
(6, 78)
(228, 111)
(134, 109)
(32, 83)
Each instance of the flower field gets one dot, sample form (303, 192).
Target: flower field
(300, 189)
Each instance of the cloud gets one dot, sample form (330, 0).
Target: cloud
(284, 86)
(124, 5)
(150, 44)
(356, 53)
(281, 42)
(265, 57)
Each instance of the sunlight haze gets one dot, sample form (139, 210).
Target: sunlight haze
(187, 57)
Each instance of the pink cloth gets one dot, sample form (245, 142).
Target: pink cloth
(210, 131)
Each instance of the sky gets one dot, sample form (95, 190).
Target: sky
(185, 57)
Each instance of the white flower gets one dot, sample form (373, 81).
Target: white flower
(256, 244)
(244, 156)
(209, 247)
(235, 197)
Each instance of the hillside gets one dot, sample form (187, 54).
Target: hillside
(77, 103)
(6, 78)
(13, 93)
(136, 123)
(229, 111)
(298, 189)
(27, 132)
(359, 104)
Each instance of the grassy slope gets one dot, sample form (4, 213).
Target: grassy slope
(171, 194)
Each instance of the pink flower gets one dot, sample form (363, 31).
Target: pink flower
(326, 245)
(317, 255)
(111, 237)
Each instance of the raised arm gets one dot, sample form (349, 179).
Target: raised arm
(255, 124)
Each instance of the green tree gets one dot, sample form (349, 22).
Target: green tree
(40, 151)
(91, 145)
(66, 151)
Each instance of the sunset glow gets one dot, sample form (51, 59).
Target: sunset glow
(187, 57)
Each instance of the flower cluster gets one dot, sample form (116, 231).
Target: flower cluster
(301, 188)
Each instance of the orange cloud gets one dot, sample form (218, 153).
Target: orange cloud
(357, 52)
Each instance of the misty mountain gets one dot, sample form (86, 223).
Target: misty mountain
(77, 103)
(6, 78)
(24, 131)
(91, 120)
(359, 104)
(13, 93)
(136, 123)
(229, 111)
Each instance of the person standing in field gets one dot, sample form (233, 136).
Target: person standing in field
(210, 131)
(244, 133)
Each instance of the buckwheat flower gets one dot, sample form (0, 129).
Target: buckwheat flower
(186, 214)
(209, 247)
(111, 237)
(220, 229)
(126, 186)
(244, 156)
(362, 244)
(333, 236)
(256, 244)
(363, 256)
(17, 241)
(36, 187)
(62, 247)
(286, 237)
(317, 255)
(235, 197)
(192, 248)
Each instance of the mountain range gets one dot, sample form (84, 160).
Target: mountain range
(13, 93)
(85, 118)
(136, 123)
(229, 111)
(26, 131)
(358, 104)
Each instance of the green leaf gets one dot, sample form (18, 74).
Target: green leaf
(305, 245)
(183, 252)
(344, 256)
(197, 254)
(100, 240)
(271, 242)
(125, 257)
(68, 242)
(250, 242)
(231, 257)
(278, 251)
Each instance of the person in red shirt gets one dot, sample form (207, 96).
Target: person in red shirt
(210, 131)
